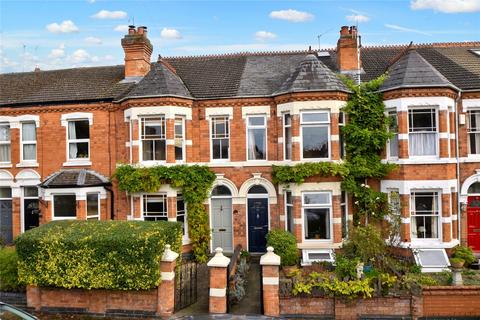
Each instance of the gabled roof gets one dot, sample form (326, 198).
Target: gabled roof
(413, 71)
(79, 84)
(74, 178)
(312, 75)
(160, 81)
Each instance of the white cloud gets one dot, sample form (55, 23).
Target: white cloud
(105, 14)
(58, 52)
(357, 18)
(93, 40)
(121, 28)
(170, 34)
(404, 29)
(79, 56)
(291, 15)
(66, 26)
(447, 6)
(264, 35)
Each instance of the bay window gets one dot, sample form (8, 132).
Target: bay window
(289, 211)
(287, 136)
(93, 206)
(179, 132)
(78, 139)
(64, 206)
(154, 144)
(393, 129)
(29, 142)
(422, 135)
(220, 136)
(5, 155)
(317, 207)
(155, 207)
(425, 214)
(257, 137)
(315, 135)
(473, 130)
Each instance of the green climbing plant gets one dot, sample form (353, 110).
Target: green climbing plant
(193, 181)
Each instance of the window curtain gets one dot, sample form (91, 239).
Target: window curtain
(394, 146)
(72, 135)
(423, 144)
(251, 145)
(5, 148)
(29, 134)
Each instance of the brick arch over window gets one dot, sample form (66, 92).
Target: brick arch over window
(222, 181)
(28, 177)
(258, 180)
(6, 178)
(466, 184)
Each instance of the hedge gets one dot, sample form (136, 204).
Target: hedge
(9, 270)
(120, 255)
(285, 245)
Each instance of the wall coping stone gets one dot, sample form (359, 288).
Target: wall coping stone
(169, 255)
(219, 260)
(270, 258)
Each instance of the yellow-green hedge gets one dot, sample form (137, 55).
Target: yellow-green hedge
(121, 255)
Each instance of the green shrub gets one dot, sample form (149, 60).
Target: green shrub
(122, 255)
(346, 268)
(9, 270)
(464, 253)
(285, 246)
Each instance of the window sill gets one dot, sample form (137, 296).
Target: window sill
(153, 163)
(26, 164)
(6, 165)
(77, 163)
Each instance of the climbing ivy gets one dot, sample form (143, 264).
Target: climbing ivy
(365, 135)
(193, 181)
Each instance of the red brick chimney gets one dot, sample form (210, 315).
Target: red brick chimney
(347, 56)
(138, 51)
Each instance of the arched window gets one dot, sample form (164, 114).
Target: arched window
(257, 189)
(474, 188)
(221, 191)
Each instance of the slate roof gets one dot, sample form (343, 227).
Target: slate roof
(92, 84)
(238, 75)
(412, 70)
(78, 178)
(312, 75)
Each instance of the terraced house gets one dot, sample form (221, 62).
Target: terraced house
(63, 132)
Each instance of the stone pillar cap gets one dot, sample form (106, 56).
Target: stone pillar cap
(169, 255)
(219, 260)
(270, 258)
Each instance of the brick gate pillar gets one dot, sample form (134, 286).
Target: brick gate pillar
(270, 263)
(166, 289)
(217, 302)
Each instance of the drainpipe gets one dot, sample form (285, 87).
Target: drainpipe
(112, 204)
(457, 158)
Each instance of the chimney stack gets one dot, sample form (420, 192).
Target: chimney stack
(347, 55)
(138, 51)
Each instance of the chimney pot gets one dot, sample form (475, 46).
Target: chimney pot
(140, 30)
(344, 31)
(131, 29)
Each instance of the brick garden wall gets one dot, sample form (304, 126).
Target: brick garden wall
(451, 301)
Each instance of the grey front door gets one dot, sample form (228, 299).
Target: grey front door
(6, 232)
(222, 223)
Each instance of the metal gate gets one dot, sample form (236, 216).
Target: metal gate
(185, 285)
(6, 232)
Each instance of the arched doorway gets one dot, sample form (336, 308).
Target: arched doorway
(221, 218)
(257, 211)
(473, 216)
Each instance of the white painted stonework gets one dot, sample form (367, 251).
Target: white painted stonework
(297, 106)
(168, 111)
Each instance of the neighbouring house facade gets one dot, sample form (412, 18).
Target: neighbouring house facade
(63, 132)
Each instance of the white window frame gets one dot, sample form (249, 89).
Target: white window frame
(470, 132)
(185, 217)
(437, 142)
(9, 142)
(326, 124)
(438, 194)
(182, 138)
(287, 205)
(141, 120)
(146, 196)
(306, 261)
(98, 206)
(344, 204)
(264, 127)
(78, 141)
(212, 119)
(342, 145)
(394, 112)
(28, 142)
(329, 206)
(285, 126)
(53, 206)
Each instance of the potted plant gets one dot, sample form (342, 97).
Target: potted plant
(457, 263)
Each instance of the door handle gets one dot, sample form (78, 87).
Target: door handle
(257, 228)
(222, 229)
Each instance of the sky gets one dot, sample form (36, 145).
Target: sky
(77, 33)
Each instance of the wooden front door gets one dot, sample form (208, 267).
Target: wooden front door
(257, 224)
(473, 222)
